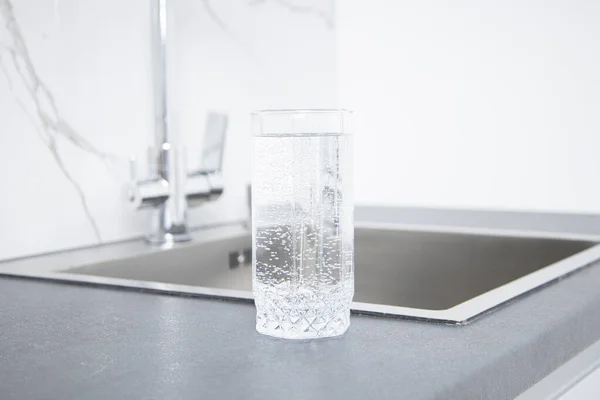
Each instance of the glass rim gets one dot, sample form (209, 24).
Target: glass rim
(302, 111)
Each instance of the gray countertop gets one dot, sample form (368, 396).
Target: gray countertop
(62, 341)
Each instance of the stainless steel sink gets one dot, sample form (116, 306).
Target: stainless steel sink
(448, 275)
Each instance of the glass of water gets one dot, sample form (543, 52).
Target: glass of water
(303, 223)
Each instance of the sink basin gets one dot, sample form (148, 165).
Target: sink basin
(449, 275)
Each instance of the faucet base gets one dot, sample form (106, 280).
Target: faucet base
(168, 238)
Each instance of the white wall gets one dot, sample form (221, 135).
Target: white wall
(463, 104)
(474, 104)
(228, 55)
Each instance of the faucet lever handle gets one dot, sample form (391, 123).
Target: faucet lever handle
(214, 142)
(206, 183)
(133, 176)
(145, 193)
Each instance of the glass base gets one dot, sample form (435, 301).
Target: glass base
(302, 324)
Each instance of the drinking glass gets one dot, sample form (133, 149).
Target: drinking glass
(303, 223)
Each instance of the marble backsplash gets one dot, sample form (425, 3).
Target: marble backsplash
(76, 103)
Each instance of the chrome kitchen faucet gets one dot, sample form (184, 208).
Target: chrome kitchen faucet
(170, 189)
